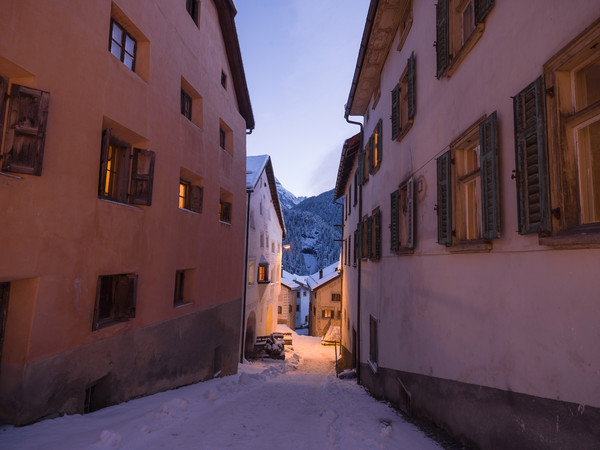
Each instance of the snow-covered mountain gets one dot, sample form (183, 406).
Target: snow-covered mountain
(310, 231)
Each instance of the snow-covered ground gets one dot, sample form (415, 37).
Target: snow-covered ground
(297, 403)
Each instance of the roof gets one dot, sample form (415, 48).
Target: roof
(292, 281)
(330, 273)
(255, 165)
(226, 11)
(383, 19)
(350, 149)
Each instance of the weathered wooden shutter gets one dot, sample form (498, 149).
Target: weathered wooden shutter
(411, 94)
(371, 154)
(490, 184)
(359, 239)
(533, 193)
(124, 168)
(196, 198)
(394, 221)
(379, 141)
(442, 43)
(369, 237)
(26, 130)
(104, 161)
(377, 219)
(132, 294)
(410, 214)
(444, 204)
(482, 9)
(395, 111)
(361, 168)
(142, 177)
(3, 91)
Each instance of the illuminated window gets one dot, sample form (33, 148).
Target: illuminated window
(327, 314)
(251, 272)
(263, 273)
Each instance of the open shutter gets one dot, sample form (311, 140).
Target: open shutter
(359, 239)
(442, 43)
(490, 186)
(377, 220)
(369, 237)
(124, 168)
(482, 9)
(3, 90)
(379, 141)
(132, 279)
(394, 220)
(371, 155)
(395, 111)
(411, 75)
(361, 168)
(104, 161)
(142, 177)
(533, 194)
(196, 198)
(96, 320)
(410, 214)
(26, 130)
(444, 205)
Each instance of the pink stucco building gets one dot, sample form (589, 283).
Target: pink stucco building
(472, 217)
(122, 200)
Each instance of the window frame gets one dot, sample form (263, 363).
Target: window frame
(186, 105)
(402, 217)
(404, 106)
(120, 309)
(122, 45)
(262, 275)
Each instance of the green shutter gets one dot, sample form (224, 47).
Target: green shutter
(394, 221)
(490, 185)
(412, 102)
(533, 193)
(444, 197)
(379, 141)
(371, 154)
(410, 214)
(482, 9)
(361, 168)
(359, 239)
(442, 43)
(377, 219)
(369, 237)
(395, 111)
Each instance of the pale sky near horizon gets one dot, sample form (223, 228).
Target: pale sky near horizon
(299, 58)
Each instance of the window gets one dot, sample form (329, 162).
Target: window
(298, 296)
(115, 299)
(327, 314)
(459, 25)
(290, 309)
(402, 218)
(225, 206)
(186, 105)
(267, 246)
(373, 345)
(565, 206)
(336, 297)
(404, 106)
(363, 164)
(223, 79)
(222, 136)
(25, 128)
(304, 293)
(251, 272)
(262, 240)
(279, 310)
(125, 178)
(272, 247)
(193, 8)
(468, 186)
(298, 306)
(190, 196)
(183, 280)
(122, 44)
(375, 148)
(263, 273)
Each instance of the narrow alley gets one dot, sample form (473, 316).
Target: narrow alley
(293, 403)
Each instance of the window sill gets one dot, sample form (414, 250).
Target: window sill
(225, 223)
(264, 282)
(188, 210)
(180, 305)
(587, 236)
(404, 131)
(114, 202)
(9, 175)
(372, 365)
(474, 246)
(404, 251)
(464, 50)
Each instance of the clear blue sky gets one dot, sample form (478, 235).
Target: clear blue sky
(299, 57)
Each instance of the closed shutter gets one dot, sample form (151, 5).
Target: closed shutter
(104, 161)
(442, 43)
(361, 168)
(377, 219)
(444, 205)
(26, 130)
(359, 240)
(379, 141)
(533, 194)
(482, 9)
(196, 198)
(3, 90)
(412, 98)
(394, 221)
(371, 154)
(410, 214)
(395, 111)
(490, 188)
(369, 237)
(142, 177)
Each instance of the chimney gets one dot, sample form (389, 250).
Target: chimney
(321, 273)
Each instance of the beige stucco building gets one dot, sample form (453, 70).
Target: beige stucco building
(472, 217)
(122, 200)
(325, 301)
(264, 235)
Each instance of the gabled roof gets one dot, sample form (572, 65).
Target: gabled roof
(330, 273)
(293, 281)
(349, 151)
(255, 165)
(226, 10)
(381, 25)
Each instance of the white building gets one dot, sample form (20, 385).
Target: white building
(298, 287)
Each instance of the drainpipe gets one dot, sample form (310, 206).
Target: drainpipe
(341, 287)
(243, 343)
(359, 267)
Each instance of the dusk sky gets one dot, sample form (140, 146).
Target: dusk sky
(299, 57)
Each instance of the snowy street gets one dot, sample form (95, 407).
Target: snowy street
(297, 403)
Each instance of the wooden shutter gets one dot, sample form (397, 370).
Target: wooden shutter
(371, 154)
(3, 90)
(444, 197)
(196, 198)
(359, 240)
(142, 177)
(131, 294)
(379, 141)
(124, 168)
(96, 320)
(442, 43)
(104, 161)
(377, 220)
(395, 111)
(410, 214)
(394, 220)
(369, 237)
(482, 9)
(26, 130)
(411, 94)
(490, 185)
(533, 193)
(361, 168)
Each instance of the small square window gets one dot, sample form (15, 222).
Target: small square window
(327, 314)
(186, 105)
(263, 273)
(115, 299)
(191, 195)
(122, 44)
(336, 297)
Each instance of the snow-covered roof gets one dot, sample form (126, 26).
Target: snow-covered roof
(318, 279)
(293, 281)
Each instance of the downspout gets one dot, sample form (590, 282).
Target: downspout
(341, 284)
(359, 267)
(243, 343)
